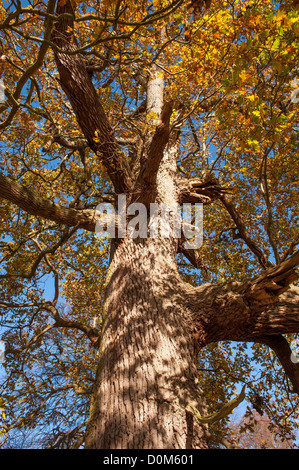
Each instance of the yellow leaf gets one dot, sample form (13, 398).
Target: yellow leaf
(243, 76)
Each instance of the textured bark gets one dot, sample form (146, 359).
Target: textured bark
(157, 145)
(154, 323)
(225, 314)
(147, 373)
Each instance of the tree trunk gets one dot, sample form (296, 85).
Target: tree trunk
(146, 373)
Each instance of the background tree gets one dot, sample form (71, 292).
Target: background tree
(163, 102)
(257, 432)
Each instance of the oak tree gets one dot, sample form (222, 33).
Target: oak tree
(163, 102)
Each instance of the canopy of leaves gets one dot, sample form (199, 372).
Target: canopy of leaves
(230, 67)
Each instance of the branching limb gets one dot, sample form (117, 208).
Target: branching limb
(78, 144)
(41, 207)
(33, 68)
(266, 288)
(85, 101)
(261, 310)
(281, 348)
(222, 413)
(202, 191)
(65, 438)
(157, 145)
(228, 204)
(92, 333)
(37, 337)
(265, 306)
(192, 255)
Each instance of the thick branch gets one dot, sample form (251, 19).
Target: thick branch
(156, 141)
(265, 306)
(243, 231)
(281, 347)
(266, 288)
(157, 145)
(192, 255)
(86, 104)
(260, 311)
(35, 205)
(202, 191)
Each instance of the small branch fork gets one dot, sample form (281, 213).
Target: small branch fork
(93, 334)
(85, 101)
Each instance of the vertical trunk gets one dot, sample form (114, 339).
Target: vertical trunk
(147, 372)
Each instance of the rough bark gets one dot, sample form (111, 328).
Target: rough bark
(147, 374)
(224, 313)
